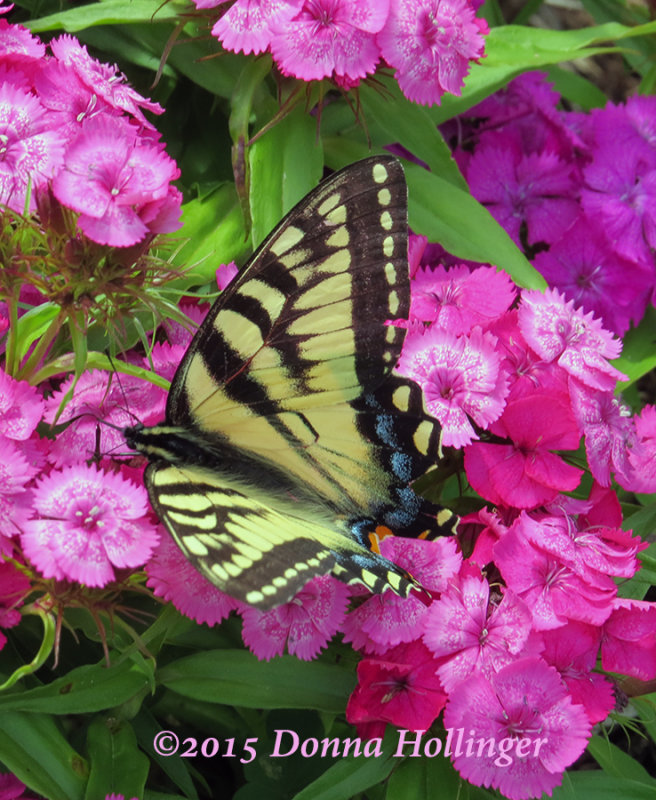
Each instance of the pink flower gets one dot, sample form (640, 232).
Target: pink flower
(14, 587)
(628, 643)
(572, 650)
(557, 331)
(549, 582)
(456, 299)
(88, 523)
(642, 457)
(21, 408)
(15, 474)
(108, 176)
(525, 474)
(103, 80)
(330, 37)
(460, 377)
(400, 687)
(247, 26)
(385, 620)
(30, 150)
(525, 700)
(609, 432)
(470, 633)
(172, 577)
(306, 623)
(18, 41)
(430, 44)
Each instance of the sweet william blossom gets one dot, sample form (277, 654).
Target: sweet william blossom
(430, 44)
(247, 26)
(330, 38)
(88, 524)
(524, 700)
(109, 176)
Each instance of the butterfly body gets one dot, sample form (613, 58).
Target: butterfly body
(287, 438)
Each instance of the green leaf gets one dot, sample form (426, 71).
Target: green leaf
(87, 688)
(32, 325)
(418, 778)
(617, 763)
(410, 125)
(286, 162)
(597, 785)
(34, 750)
(108, 12)
(452, 217)
(213, 232)
(236, 677)
(638, 352)
(116, 763)
(511, 50)
(348, 777)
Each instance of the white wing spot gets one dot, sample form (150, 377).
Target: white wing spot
(380, 173)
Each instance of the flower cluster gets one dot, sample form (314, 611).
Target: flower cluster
(576, 191)
(428, 43)
(72, 125)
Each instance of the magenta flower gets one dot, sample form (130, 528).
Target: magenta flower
(621, 193)
(470, 632)
(525, 473)
(556, 331)
(536, 189)
(305, 624)
(430, 44)
(572, 650)
(525, 700)
(172, 577)
(21, 408)
(550, 583)
(400, 687)
(457, 299)
(88, 524)
(108, 176)
(14, 587)
(385, 620)
(630, 127)
(330, 37)
(30, 150)
(587, 271)
(16, 41)
(460, 377)
(628, 643)
(247, 26)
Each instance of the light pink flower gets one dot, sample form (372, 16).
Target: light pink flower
(21, 408)
(172, 577)
(330, 38)
(471, 633)
(305, 624)
(557, 331)
(109, 176)
(88, 524)
(247, 26)
(430, 44)
(460, 377)
(30, 150)
(524, 700)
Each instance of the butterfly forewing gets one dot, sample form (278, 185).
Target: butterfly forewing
(285, 429)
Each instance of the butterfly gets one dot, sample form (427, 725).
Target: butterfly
(288, 439)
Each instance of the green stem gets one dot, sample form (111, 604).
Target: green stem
(10, 357)
(45, 649)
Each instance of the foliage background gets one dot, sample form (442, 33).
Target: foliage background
(82, 730)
